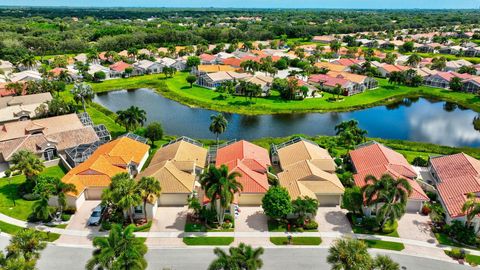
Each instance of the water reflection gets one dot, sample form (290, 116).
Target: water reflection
(414, 119)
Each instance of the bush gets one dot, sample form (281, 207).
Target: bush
(8, 172)
(227, 225)
(228, 218)
(426, 209)
(419, 161)
(31, 197)
(143, 227)
(70, 210)
(432, 196)
(459, 232)
(457, 253)
(106, 225)
(338, 161)
(311, 225)
(390, 227)
(370, 223)
(65, 217)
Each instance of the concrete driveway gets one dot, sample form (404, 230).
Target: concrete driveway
(78, 222)
(332, 219)
(168, 219)
(251, 219)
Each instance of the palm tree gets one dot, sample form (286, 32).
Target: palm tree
(392, 193)
(218, 124)
(61, 189)
(349, 254)
(383, 262)
(27, 243)
(471, 208)
(150, 189)
(350, 134)
(220, 185)
(247, 257)
(28, 61)
(335, 45)
(223, 261)
(125, 193)
(82, 92)
(27, 163)
(413, 60)
(120, 250)
(132, 52)
(303, 207)
(131, 118)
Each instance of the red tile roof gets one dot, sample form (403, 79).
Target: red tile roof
(328, 80)
(376, 159)
(250, 160)
(234, 62)
(348, 62)
(392, 68)
(457, 175)
(119, 66)
(207, 57)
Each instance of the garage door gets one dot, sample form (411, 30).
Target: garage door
(93, 193)
(413, 206)
(250, 199)
(328, 200)
(173, 199)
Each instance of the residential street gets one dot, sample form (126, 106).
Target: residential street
(73, 258)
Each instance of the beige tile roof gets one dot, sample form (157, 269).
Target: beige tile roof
(304, 150)
(181, 153)
(25, 100)
(172, 180)
(305, 179)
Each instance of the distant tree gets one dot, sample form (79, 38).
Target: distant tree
(193, 61)
(191, 79)
(83, 93)
(350, 134)
(413, 60)
(407, 47)
(439, 63)
(335, 45)
(304, 207)
(99, 76)
(218, 124)
(154, 132)
(468, 69)
(131, 118)
(16, 88)
(276, 203)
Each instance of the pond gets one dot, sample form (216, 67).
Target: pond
(413, 119)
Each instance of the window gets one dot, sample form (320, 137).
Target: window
(138, 209)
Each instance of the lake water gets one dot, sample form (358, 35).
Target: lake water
(416, 120)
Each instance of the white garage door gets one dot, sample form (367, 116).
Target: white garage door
(328, 200)
(413, 206)
(173, 199)
(250, 199)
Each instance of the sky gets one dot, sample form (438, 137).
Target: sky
(353, 4)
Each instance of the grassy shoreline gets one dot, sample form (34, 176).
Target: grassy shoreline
(177, 89)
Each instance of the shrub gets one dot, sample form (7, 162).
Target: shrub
(228, 218)
(338, 161)
(227, 225)
(31, 197)
(8, 172)
(431, 195)
(390, 227)
(143, 227)
(426, 209)
(457, 253)
(106, 225)
(70, 210)
(311, 225)
(461, 233)
(419, 161)
(65, 217)
(370, 223)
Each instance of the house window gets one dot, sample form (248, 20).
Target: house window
(49, 153)
(138, 209)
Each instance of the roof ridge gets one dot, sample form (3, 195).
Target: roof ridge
(179, 171)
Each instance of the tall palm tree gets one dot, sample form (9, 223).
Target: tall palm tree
(247, 257)
(218, 124)
(413, 60)
(61, 189)
(125, 193)
(150, 189)
(220, 185)
(131, 118)
(83, 93)
(350, 134)
(27, 163)
(392, 193)
(223, 261)
(349, 254)
(120, 250)
(383, 262)
(27, 243)
(303, 207)
(28, 61)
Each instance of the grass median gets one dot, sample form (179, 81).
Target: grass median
(208, 241)
(296, 241)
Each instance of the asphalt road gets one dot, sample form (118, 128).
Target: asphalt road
(73, 258)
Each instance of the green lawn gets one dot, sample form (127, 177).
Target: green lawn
(194, 227)
(384, 245)
(208, 241)
(9, 193)
(12, 230)
(444, 239)
(473, 259)
(177, 88)
(300, 241)
(274, 226)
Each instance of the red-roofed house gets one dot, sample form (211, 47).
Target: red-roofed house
(252, 162)
(232, 61)
(207, 59)
(328, 82)
(118, 68)
(442, 79)
(376, 159)
(386, 69)
(348, 62)
(455, 176)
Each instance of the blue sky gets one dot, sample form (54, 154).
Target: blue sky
(370, 4)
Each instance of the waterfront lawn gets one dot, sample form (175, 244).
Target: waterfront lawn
(296, 240)
(13, 229)
(208, 241)
(379, 244)
(9, 192)
(178, 89)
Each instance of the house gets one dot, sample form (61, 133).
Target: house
(376, 159)
(82, 57)
(215, 79)
(307, 170)
(47, 137)
(425, 72)
(25, 76)
(207, 59)
(148, 67)
(19, 108)
(328, 83)
(472, 85)
(348, 62)
(368, 82)
(331, 66)
(233, 62)
(178, 64)
(265, 83)
(472, 51)
(252, 162)
(6, 67)
(456, 176)
(176, 166)
(118, 69)
(386, 69)
(455, 65)
(94, 68)
(442, 79)
(123, 155)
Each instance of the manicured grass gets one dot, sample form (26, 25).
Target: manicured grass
(12, 230)
(193, 227)
(9, 193)
(208, 241)
(357, 229)
(300, 241)
(178, 89)
(444, 239)
(473, 259)
(384, 245)
(274, 226)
